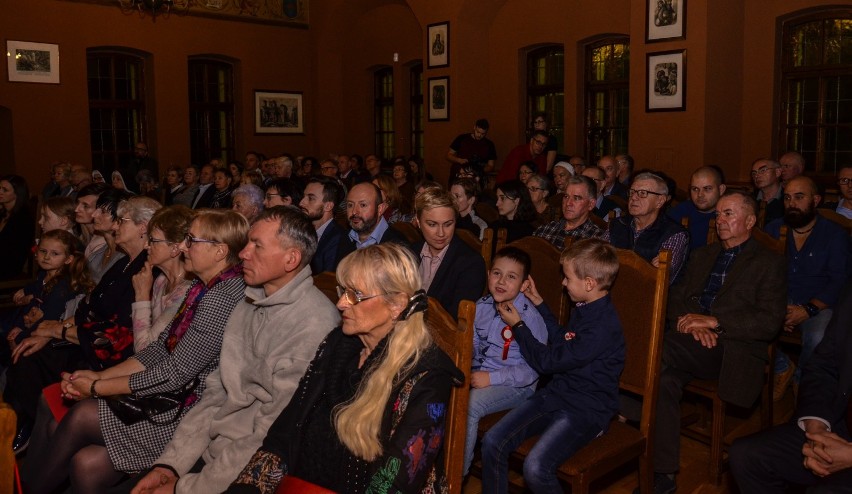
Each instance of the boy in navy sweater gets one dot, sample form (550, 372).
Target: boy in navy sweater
(585, 360)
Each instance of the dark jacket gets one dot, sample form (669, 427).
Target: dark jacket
(346, 246)
(750, 307)
(206, 199)
(650, 240)
(325, 258)
(461, 276)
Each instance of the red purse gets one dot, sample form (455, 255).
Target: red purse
(295, 485)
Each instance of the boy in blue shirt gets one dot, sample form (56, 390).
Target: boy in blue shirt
(501, 379)
(585, 360)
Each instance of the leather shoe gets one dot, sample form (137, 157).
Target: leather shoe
(22, 439)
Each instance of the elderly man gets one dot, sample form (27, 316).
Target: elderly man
(373, 165)
(844, 184)
(705, 188)
(533, 151)
(364, 208)
(603, 204)
(579, 201)
(815, 448)
(346, 173)
(474, 148)
(766, 176)
(269, 340)
(792, 165)
(578, 163)
(322, 195)
(818, 266)
(206, 191)
(612, 186)
(722, 314)
(281, 166)
(645, 230)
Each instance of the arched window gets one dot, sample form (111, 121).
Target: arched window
(607, 99)
(816, 89)
(417, 114)
(211, 110)
(383, 98)
(546, 88)
(116, 83)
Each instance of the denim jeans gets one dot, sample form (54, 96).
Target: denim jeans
(562, 432)
(489, 400)
(813, 329)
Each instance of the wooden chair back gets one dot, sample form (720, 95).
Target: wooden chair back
(599, 222)
(327, 284)
(838, 218)
(483, 246)
(777, 245)
(456, 340)
(499, 239)
(410, 232)
(487, 212)
(8, 427)
(547, 273)
(761, 215)
(712, 236)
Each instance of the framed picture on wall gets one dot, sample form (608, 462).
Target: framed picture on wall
(438, 44)
(665, 20)
(278, 112)
(439, 99)
(32, 62)
(666, 81)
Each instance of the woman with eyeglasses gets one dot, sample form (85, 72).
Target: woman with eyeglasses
(281, 192)
(525, 171)
(97, 446)
(540, 123)
(539, 187)
(369, 412)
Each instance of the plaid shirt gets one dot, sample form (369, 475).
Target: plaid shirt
(555, 232)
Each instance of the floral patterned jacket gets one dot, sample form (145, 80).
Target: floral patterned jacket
(412, 427)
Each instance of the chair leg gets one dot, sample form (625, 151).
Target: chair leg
(646, 473)
(717, 440)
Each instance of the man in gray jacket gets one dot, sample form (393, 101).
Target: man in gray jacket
(269, 340)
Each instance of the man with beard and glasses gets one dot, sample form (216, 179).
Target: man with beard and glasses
(364, 208)
(322, 195)
(818, 266)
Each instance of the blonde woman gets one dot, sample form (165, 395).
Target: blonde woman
(370, 410)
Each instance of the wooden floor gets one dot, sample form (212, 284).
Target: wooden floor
(694, 458)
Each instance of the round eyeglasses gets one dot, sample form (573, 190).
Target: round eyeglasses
(353, 297)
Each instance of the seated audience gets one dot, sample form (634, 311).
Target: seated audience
(252, 177)
(525, 171)
(281, 321)
(578, 202)
(281, 192)
(370, 412)
(792, 165)
(57, 213)
(771, 460)
(539, 187)
(95, 443)
(818, 265)
(206, 190)
(157, 300)
(603, 205)
(174, 184)
(404, 182)
(17, 227)
(86, 204)
(190, 190)
(562, 171)
(96, 177)
(516, 210)
(540, 123)
(500, 377)
(723, 313)
(584, 360)
(612, 186)
(465, 192)
(364, 208)
(222, 185)
(118, 182)
(322, 195)
(705, 188)
(451, 271)
(844, 185)
(236, 169)
(102, 253)
(248, 201)
(645, 230)
(398, 207)
(533, 151)
(99, 335)
(625, 169)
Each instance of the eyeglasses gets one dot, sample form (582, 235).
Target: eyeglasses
(525, 172)
(190, 239)
(844, 181)
(762, 170)
(538, 121)
(270, 195)
(533, 189)
(152, 240)
(642, 193)
(353, 297)
(540, 142)
(122, 220)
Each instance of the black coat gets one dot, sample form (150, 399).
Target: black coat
(461, 276)
(325, 258)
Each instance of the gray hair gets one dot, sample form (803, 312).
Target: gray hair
(295, 229)
(662, 186)
(140, 209)
(252, 192)
(542, 181)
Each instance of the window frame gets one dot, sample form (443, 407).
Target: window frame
(613, 90)
(223, 147)
(383, 123)
(553, 93)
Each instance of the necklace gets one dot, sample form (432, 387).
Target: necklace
(806, 231)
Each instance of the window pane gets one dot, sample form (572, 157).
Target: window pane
(607, 97)
(211, 108)
(805, 43)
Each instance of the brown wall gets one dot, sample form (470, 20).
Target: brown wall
(730, 76)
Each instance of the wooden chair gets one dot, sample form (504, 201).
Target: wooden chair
(409, 231)
(327, 284)
(712, 236)
(456, 339)
(487, 212)
(8, 428)
(547, 273)
(484, 246)
(639, 295)
(620, 201)
(600, 222)
(838, 218)
(500, 239)
(777, 245)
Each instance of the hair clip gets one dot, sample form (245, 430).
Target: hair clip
(418, 302)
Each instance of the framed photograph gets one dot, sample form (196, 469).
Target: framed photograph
(278, 112)
(665, 20)
(439, 99)
(32, 62)
(438, 44)
(666, 81)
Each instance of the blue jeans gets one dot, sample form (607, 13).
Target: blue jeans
(489, 400)
(562, 432)
(813, 329)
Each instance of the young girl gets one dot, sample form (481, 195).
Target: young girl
(62, 275)
(57, 213)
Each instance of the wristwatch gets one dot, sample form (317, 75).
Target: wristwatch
(65, 328)
(718, 328)
(811, 309)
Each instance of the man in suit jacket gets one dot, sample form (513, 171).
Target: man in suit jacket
(450, 269)
(770, 460)
(723, 312)
(206, 191)
(364, 208)
(322, 195)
